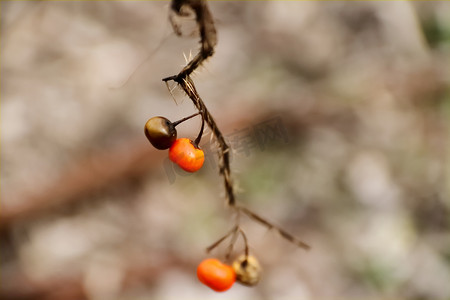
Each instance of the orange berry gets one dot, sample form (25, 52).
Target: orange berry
(189, 157)
(218, 276)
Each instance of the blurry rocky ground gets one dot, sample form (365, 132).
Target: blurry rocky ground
(356, 161)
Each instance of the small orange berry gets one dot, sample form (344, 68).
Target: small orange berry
(189, 157)
(218, 276)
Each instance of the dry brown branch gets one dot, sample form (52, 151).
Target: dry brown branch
(187, 85)
(100, 170)
(269, 225)
(18, 286)
(205, 22)
(208, 41)
(92, 173)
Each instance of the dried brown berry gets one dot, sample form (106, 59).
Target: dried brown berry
(248, 270)
(160, 132)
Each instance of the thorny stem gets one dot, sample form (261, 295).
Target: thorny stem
(208, 41)
(205, 22)
(224, 160)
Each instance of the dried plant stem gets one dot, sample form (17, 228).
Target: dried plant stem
(187, 85)
(200, 134)
(245, 242)
(269, 225)
(234, 235)
(224, 163)
(219, 241)
(205, 23)
(232, 242)
(185, 119)
(208, 41)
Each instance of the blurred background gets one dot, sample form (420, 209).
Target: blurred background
(338, 114)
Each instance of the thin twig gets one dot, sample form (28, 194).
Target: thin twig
(219, 241)
(232, 242)
(269, 225)
(185, 119)
(200, 134)
(245, 242)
